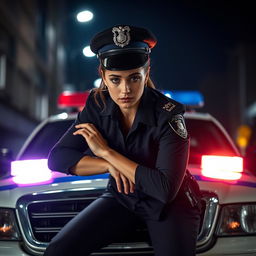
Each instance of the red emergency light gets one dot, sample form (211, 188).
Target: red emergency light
(72, 99)
(222, 167)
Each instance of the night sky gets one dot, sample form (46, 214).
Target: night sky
(194, 39)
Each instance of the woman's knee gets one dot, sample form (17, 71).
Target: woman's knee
(61, 248)
(54, 249)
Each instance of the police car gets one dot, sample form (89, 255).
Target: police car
(36, 203)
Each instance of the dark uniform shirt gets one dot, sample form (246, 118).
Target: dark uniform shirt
(157, 141)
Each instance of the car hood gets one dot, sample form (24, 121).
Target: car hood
(242, 190)
(10, 191)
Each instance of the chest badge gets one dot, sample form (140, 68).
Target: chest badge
(177, 124)
(169, 106)
(121, 35)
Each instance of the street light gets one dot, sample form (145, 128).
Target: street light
(84, 16)
(97, 82)
(87, 52)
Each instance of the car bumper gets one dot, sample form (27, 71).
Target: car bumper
(233, 246)
(11, 249)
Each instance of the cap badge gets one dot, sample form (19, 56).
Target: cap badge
(121, 35)
(169, 106)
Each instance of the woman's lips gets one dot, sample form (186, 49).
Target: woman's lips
(126, 99)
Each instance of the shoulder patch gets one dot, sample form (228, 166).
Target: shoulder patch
(169, 106)
(177, 124)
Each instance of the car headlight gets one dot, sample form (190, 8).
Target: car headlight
(8, 225)
(237, 220)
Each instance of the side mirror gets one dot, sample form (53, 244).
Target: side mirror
(5, 162)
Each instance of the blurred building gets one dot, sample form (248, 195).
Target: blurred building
(231, 94)
(32, 62)
(242, 84)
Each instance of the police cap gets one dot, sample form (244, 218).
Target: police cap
(123, 47)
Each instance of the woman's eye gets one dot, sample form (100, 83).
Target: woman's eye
(115, 80)
(135, 78)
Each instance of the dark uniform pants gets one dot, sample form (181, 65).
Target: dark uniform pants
(105, 220)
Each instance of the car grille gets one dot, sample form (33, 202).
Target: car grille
(43, 215)
(47, 218)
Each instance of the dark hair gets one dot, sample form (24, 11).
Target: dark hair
(99, 91)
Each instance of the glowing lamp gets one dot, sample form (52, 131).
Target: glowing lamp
(243, 136)
(87, 52)
(84, 16)
(222, 167)
(30, 171)
(233, 225)
(72, 99)
(97, 82)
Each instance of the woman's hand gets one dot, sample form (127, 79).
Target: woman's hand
(94, 139)
(121, 181)
(99, 147)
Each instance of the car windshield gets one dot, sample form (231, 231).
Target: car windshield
(40, 146)
(205, 139)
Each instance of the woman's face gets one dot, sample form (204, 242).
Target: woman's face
(126, 87)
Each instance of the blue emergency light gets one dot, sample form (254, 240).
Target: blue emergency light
(189, 98)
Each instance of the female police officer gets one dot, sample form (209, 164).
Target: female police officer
(135, 133)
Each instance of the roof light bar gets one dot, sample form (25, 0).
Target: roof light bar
(222, 167)
(189, 98)
(72, 99)
(30, 171)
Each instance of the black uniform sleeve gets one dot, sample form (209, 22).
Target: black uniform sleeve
(70, 148)
(164, 181)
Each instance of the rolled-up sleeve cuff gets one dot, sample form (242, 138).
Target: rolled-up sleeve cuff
(152, 182)
(141, 173)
